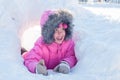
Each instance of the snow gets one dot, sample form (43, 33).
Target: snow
(96, 33)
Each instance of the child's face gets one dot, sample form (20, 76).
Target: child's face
(59, 35)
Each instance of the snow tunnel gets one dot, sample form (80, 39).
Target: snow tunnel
(17, 17)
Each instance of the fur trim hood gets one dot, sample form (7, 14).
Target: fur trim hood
(51, 22)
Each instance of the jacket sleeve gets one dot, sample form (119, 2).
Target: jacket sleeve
(32, 57)
(70, 57)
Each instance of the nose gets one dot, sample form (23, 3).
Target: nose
(59, 32)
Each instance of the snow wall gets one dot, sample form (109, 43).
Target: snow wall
(16, 16)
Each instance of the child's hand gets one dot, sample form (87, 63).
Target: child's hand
(63, 67)
(41, 68)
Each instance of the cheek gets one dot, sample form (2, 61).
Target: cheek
(64, 34)
(54, 35)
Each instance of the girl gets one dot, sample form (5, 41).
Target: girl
(55, 49)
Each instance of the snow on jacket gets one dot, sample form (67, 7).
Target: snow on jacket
(52, 53)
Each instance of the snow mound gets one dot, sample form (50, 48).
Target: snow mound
(97, 40)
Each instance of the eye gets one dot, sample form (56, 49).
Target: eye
(63, 29)
(56, 30)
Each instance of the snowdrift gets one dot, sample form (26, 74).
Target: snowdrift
(97, 41)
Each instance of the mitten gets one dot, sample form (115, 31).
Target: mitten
(63, 67)
(41, 68)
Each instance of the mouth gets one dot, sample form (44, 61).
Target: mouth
(59, 39)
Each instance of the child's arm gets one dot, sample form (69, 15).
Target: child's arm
(69, 61)
(32, 57)
(70, 57)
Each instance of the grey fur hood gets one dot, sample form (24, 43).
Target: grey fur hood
(60, 16)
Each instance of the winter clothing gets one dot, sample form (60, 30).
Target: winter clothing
(63, 67)
(52, 54)
(53, 20)
(45, 17)
(41, 68)
(23, 50)
(63, 25)
(60, 57)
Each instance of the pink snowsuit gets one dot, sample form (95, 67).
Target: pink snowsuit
(52, 54)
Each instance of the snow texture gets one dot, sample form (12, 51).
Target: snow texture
(96, 33)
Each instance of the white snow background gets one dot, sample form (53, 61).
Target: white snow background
(96, 33)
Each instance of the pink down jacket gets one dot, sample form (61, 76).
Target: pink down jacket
(52, 54)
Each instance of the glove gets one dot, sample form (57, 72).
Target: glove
(41, 68)
(63, 67)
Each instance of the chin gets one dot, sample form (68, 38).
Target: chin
(59, 42)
